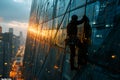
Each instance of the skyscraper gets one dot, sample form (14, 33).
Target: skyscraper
(44, 57)
(11, 30)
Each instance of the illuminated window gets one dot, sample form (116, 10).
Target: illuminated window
(5, 63)
(99, 36)
(113, 56)
(56, 67)
(48, 71)
(107, 25)
(93, 22)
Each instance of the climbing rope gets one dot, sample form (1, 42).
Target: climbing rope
(62, 19)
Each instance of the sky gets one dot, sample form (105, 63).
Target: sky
(15, 14)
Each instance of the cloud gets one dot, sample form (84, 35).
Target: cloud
(16, 24)
(19, 1)
(15, 9)
(15, 14)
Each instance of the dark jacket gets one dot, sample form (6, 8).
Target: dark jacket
(72, 27)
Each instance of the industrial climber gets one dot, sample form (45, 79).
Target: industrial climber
(72, 39)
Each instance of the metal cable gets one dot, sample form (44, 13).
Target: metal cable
(62, 19)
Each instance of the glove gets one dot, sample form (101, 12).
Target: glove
(85, 18)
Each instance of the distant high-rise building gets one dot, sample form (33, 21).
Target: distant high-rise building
(11, 30)
(0, 29)
(21, 38)
(5, 58)
(21, 34)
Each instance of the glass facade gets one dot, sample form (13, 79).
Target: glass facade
(44, 54)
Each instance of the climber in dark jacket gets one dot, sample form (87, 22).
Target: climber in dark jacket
(72, 40)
